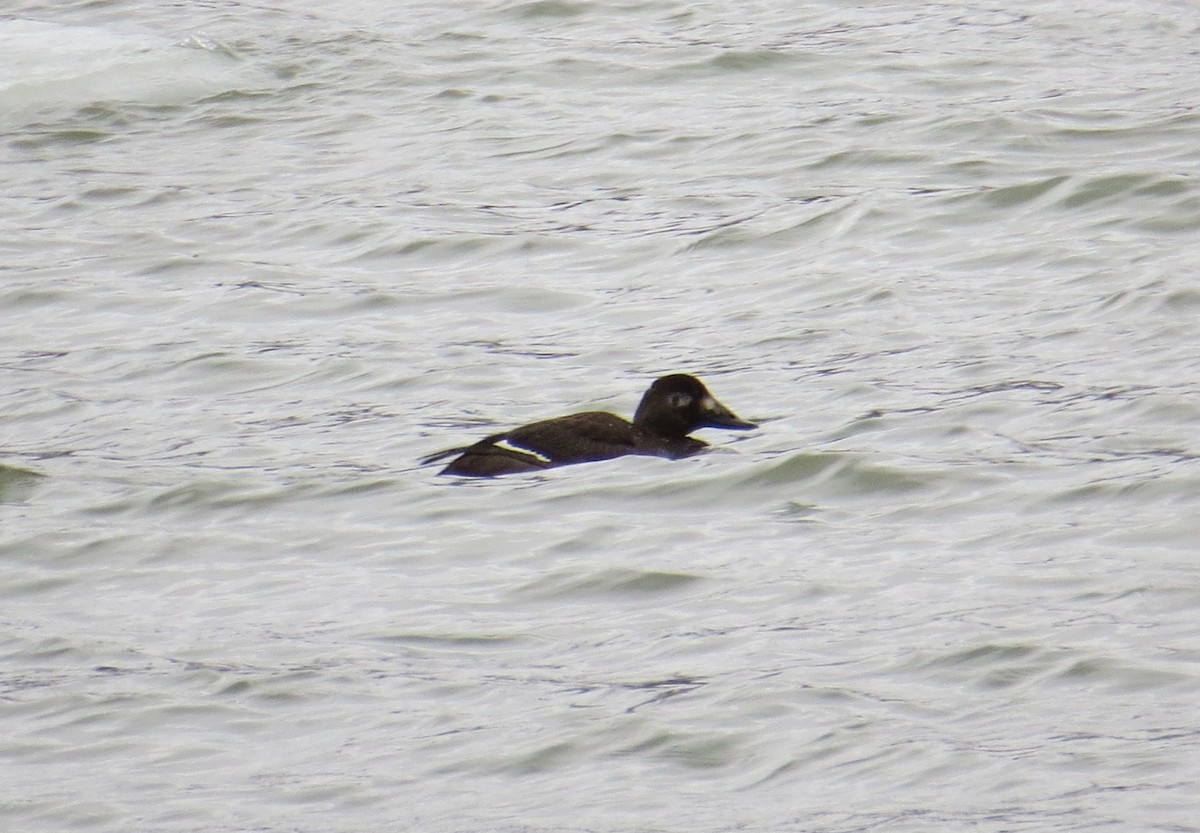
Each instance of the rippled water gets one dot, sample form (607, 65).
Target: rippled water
(257, 259)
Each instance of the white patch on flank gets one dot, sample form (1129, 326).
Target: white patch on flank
(508, 445)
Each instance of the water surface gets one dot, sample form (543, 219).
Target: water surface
(259, 259)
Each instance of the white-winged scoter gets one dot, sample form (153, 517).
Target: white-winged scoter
(672, 408)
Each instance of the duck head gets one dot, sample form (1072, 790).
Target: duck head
(677, 405)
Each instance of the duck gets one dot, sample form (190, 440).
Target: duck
(672, 408)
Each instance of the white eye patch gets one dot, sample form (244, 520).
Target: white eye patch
(680, 400)
(508, 445)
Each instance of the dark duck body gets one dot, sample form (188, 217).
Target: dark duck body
(672, 408)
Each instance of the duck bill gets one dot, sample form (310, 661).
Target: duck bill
(717, 415)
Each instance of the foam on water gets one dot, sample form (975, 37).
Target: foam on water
(50, 69)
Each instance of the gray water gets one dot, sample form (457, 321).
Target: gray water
(258, 258)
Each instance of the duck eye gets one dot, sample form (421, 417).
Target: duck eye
(681, 400)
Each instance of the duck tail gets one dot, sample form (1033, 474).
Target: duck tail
(442, 455)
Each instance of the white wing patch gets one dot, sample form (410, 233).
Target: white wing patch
(508, 445)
